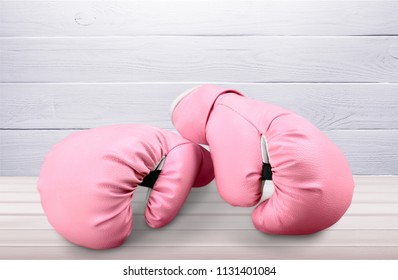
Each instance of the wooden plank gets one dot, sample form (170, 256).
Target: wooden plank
(236, 238)
(139, 208)
(232, 17)
(363, 185)
(328, 106)
(209, 194)
(23, 183)
(22, 151)
(361, 157)
(204, 194)
(207, 208)
(202, 58)
(200, 253)
(208, 222)
(367, 231)
(19, 197)
(375, 184)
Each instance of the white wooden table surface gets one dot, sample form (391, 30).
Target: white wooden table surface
(208, 228)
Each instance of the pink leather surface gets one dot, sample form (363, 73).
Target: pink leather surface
(87, 181)
(312, 179)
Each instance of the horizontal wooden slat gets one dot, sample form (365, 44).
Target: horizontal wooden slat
(23, 150)
(208, 193)
(247, 238)
(202, 208)
(367, 231)
(203, 252)
(328, 106)
(363, 185)
(228, 17)
(203, 195)
(208, 222)
(367, 150)
(203, 58)
(376, 184)
(19, 197)
(206, 208)
(380, 192)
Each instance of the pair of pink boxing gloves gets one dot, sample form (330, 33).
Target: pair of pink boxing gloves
(87, 181)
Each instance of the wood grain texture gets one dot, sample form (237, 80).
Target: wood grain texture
(197, 195)
(365, 184)
(207, 208)
(232, 17)
(72, 65)
(200, 59)
(56, 106)
(223, 238)
(367, 232)
(69, 65)
(207, 222)
(368, 151)
(200, 253)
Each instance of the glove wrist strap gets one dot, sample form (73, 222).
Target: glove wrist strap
(150, 179)
(266, 173)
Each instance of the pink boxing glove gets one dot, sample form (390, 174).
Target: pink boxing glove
(88, 180)
(251, 141)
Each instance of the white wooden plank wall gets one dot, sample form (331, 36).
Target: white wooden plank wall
(72, 65)
(68, 65)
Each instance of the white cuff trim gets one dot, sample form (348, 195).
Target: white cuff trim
(179, 98)
(264, 149)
